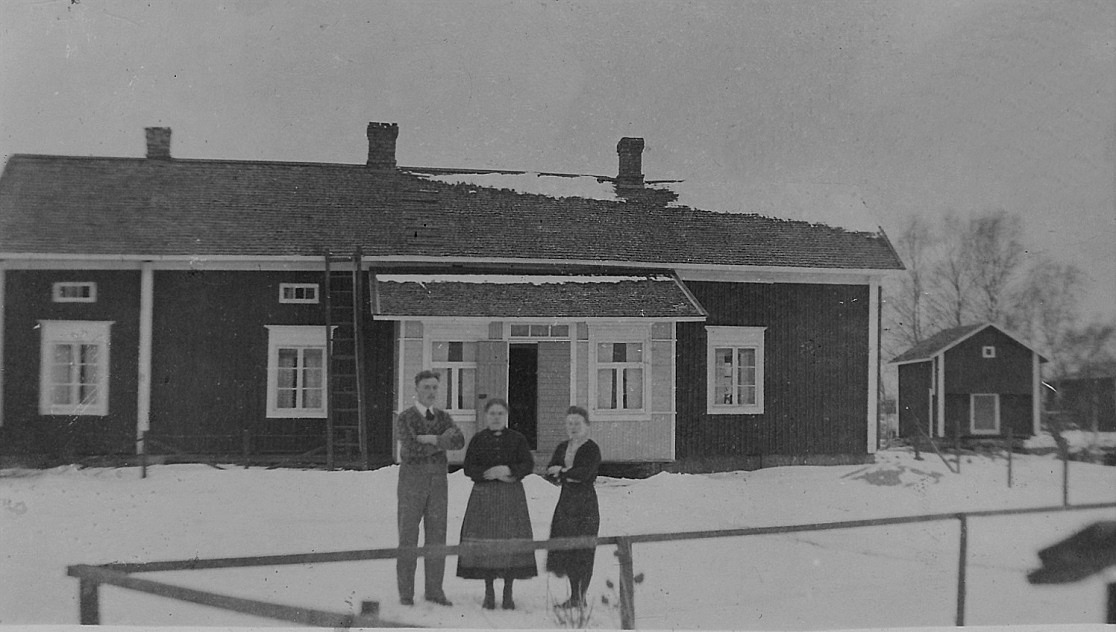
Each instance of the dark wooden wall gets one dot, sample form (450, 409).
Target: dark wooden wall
(28, 300)
(815, 371)
(915, 381)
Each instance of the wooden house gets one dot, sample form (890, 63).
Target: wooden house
(970, 382)
(1086, 399)
(190, 302)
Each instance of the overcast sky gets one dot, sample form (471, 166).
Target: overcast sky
(920, 106)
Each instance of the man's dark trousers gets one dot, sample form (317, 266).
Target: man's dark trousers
(422, 496)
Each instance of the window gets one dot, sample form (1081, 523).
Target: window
(620, 371)
(296, 371)
(988, 351)
(70, 292)
(540, 331)
(456, 365)
(734, 373)
(74, 361)
(298, 292)
(984, 413)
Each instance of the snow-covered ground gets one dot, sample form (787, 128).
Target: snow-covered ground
(880, 577)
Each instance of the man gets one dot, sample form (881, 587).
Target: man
(424, 434)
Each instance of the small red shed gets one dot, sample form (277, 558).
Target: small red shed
(975, 381)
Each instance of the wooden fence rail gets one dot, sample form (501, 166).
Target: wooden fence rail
(119, 574)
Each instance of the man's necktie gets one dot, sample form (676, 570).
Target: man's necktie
(429, 415)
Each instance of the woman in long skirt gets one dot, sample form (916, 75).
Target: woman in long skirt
(497, 459)
(574, 467)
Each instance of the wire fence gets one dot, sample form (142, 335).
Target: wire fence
(91, 577)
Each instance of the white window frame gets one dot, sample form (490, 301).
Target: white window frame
(58, 291)
(723, 337)
(988, 351)
(534, 337)
(450, 372)
(83, 332)
(636, 333)
(972, 414)
(297, 337)
(294, 288)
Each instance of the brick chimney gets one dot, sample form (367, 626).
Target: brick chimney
(381, 145)
(158, 142)
(630, 174)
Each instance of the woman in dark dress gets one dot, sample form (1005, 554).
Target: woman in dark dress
(497, 459)
(574, 467)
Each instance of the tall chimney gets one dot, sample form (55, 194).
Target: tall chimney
(381, 145)
(158, 142)
(630, 174)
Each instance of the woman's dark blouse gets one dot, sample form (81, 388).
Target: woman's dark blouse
(489, 449)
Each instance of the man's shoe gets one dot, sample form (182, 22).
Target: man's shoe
(407, 601)
(440, 600)
(489, 602)
(508, 604)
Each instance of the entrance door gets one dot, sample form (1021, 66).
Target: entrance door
(523, 391)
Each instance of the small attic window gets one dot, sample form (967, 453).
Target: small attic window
(298, 292)
(988, 351)
(71, 292)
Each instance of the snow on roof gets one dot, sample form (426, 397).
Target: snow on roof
(511, 278)
(834, 205)
(556, 186)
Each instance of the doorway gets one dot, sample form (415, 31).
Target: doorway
(523, 391)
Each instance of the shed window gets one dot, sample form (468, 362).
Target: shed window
(296, 371)
(298, 292)
(71, 292)
(985, 413)
(988, 351)
(734, 371)
(74, 361)
(455, 362)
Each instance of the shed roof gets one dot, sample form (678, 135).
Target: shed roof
(947, 339)
(70, 206)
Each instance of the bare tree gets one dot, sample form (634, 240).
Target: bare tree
(908, 307)
(994, 251)
(1046, 309)
(951, 303)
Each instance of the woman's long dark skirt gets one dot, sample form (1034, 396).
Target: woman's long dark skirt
(576, 514)
(496, 512)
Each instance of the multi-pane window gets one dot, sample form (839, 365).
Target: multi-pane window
(734, 376)
(539, 331)
(735, 370)
(296, 371)
(620, 376)
(298, 292)
(456, 364)
(74, 368)
(74, 292)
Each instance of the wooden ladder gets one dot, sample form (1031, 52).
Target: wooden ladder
(346, 421)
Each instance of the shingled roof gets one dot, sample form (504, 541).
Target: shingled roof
(92, 206)
(946, 339)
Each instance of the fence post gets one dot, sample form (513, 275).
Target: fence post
(1065, 477)
(961, 569)
(627, 584)
(1010, 448)
(246, 445)
(957, 444)
(89, 608)
(143, 455)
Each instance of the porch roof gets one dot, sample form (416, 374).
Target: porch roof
(402, 296)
